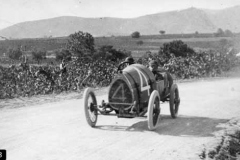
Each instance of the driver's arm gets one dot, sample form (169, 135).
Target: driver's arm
(120, 66)
(170, 79)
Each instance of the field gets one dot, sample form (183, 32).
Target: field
(150, 43)
(153, 43)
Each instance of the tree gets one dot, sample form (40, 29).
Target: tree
(14, 53)
(196, 34)
(219, 33)
(81, 44)
(135, 34)
(63, 54)
(162, 32)
(228, 33)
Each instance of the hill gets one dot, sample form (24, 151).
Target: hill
(174, 22)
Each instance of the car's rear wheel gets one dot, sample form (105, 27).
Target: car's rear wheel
(153, 110)
(90, 106)
(174, 101)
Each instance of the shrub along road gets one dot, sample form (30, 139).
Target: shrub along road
(58, 130)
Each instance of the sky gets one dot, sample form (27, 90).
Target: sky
(16, 11)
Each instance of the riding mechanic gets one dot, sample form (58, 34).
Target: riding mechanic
(161, 74)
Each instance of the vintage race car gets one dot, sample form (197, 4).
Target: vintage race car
(133, 93)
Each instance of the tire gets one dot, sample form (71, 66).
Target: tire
(174, 101)
(153, 110)
(91, 112)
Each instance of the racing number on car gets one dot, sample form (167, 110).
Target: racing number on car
(143, 81)
(120, 88)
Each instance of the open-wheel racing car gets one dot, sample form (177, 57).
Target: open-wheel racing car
(133, 93)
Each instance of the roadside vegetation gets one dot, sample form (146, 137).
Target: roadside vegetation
(21, 76)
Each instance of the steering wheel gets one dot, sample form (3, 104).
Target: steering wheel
(121, 66)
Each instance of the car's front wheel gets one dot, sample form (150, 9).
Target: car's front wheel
(153, 110)
(90, 106)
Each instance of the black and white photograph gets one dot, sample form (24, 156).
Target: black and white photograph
(119, 79)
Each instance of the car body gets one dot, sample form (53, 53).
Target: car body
(133, 93)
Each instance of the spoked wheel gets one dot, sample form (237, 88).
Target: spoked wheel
(90, 106)
(153, 110)
(174, 100)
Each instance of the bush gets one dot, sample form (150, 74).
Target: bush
(177, 48)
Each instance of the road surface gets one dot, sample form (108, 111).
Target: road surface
(58, 131)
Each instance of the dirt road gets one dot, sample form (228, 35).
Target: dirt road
(58, 131)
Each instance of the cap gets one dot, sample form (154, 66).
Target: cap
(129, 60)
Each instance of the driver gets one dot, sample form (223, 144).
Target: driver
(161, 74)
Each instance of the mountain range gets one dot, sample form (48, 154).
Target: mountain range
(172, 22)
